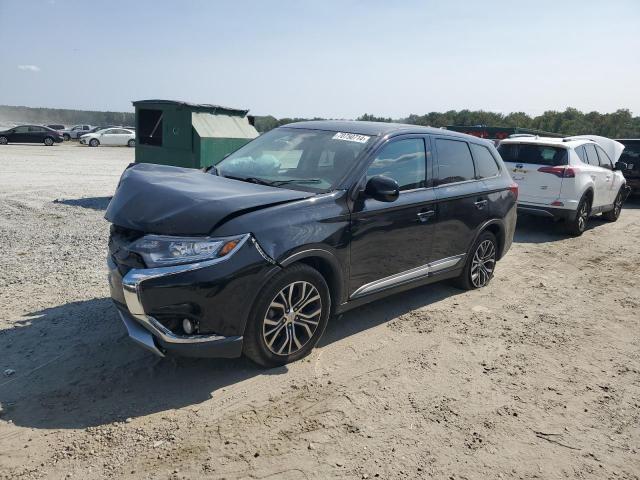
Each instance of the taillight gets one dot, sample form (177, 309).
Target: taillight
(562, 172)
(513, 188)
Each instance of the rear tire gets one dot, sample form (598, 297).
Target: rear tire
(288, 317)
(94, 142)
(48, 141)
(4, 140)
(481, 263)
(66, 137)
(613, 215)
(578, 225)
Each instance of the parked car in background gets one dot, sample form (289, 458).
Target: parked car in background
(76, 131)
(306, 221)
(30, 134)
(102, 127)
(110, 136)
(631, 158)
(567, 179)
(56, 126)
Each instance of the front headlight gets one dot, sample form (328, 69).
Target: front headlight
(161, 250)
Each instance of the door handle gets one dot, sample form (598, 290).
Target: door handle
(424, 216)
(480, 204)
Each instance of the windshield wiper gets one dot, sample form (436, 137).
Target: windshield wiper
(296, 180)
(259, 181)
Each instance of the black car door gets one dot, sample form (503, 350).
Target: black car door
(462, 200)
(35, 135)
(20, 135)
(390, 238)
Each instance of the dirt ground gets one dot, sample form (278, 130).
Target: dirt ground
(535, 376)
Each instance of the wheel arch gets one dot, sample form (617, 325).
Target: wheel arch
(589, 193)
(495, 226)
(329, 267)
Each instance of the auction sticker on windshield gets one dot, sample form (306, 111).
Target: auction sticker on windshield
(351, 137)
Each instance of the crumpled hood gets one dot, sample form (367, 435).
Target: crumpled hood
(181, 201)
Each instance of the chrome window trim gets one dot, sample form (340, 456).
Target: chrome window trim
(131, 289)
(408, 275)
(459, 183)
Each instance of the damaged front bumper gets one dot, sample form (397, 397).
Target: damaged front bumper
(216, 296)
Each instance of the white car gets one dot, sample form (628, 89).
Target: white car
(110, 136)
(567, 179)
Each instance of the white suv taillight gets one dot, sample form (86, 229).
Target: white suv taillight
(513, 188)
(562, 172)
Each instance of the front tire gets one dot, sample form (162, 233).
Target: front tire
(48, 141)
(578, 224)
(613, 215)
(94, 142)
(4, 140)
(481, 263)
(288, 317)
(131, 143)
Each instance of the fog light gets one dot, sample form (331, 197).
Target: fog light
(188, 326)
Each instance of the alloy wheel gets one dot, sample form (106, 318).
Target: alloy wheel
(583, 215)
(292, 318)
(48, 142)
(618, 206)
(483, 263)
(3, 140)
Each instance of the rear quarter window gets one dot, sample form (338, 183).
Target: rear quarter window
(486, 165)
(535, 154)
(581, 154)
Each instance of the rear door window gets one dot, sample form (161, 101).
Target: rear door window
(486, 165)
(605, 161)
(535, 154)
(592, 156)
(402, 160)
(455, 163)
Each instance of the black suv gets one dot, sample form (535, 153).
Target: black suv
(631, 158)
(306, 221)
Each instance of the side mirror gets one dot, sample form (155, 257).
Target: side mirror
(383, 189)
(620, 166)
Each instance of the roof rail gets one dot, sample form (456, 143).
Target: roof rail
(522, 135)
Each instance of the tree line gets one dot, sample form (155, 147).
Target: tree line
(40, 116)
(619, 124)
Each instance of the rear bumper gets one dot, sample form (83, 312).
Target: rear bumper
(548, 212)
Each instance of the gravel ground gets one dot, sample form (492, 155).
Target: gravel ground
(535, 376)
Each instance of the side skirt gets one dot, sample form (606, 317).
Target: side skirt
(408, 276)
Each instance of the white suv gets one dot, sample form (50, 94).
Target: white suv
(567, 178)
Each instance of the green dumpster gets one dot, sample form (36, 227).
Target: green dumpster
(189, 135)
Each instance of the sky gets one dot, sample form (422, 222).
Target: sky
(334, 59)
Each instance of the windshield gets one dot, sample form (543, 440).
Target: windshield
(309, 160)
(533, 153)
